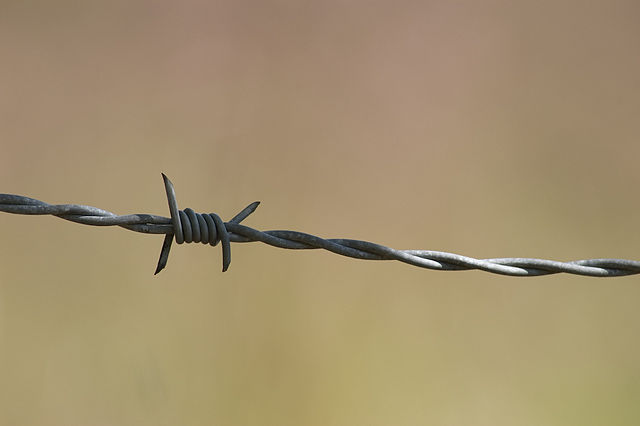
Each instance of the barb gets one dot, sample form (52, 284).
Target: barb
(187, 226)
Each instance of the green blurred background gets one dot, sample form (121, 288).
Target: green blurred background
(490, 129)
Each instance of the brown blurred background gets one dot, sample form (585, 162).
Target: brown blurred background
(490, 129)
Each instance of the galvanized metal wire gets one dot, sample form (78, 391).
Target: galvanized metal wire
(187, 226)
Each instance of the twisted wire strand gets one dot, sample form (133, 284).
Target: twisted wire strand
(187, 226)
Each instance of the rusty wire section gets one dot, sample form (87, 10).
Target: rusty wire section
(186, 226)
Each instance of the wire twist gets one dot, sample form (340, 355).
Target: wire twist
(187, 226)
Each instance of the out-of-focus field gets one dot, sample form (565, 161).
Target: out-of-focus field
(491, 129)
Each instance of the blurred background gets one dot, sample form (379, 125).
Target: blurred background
(490, 129)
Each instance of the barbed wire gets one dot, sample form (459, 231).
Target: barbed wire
(187, 226)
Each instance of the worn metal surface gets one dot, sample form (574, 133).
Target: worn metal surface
(186, 226)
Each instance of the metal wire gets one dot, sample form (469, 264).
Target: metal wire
(186, 226)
